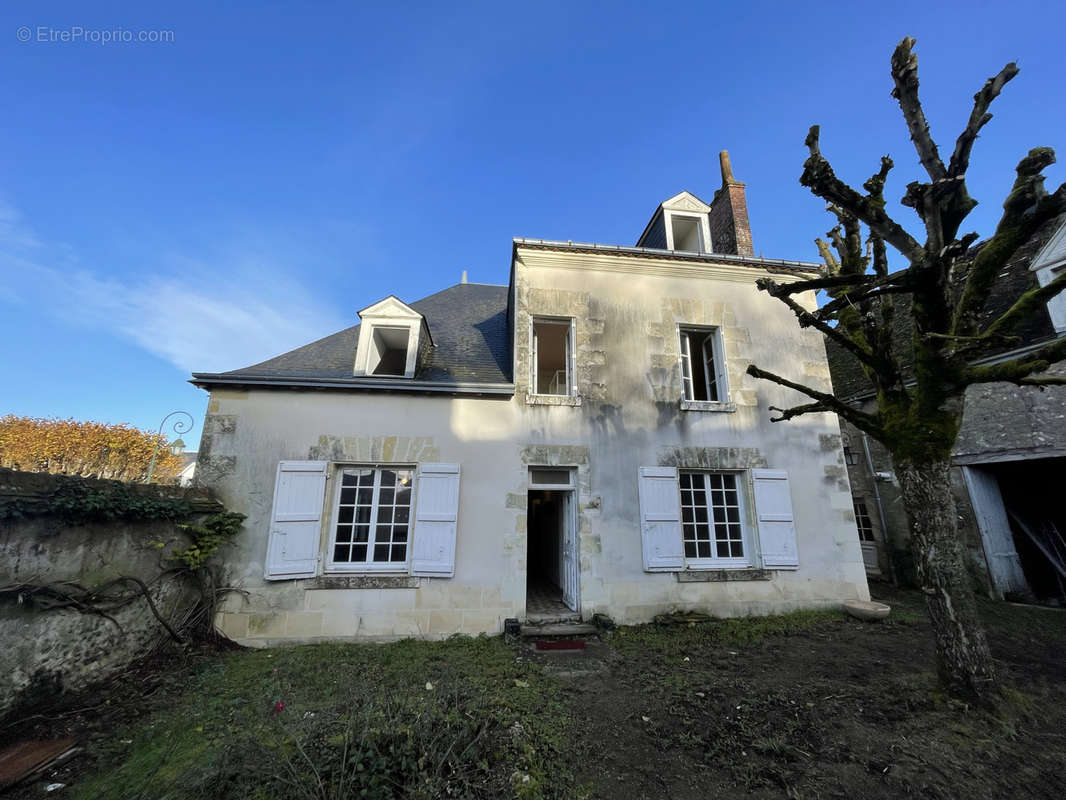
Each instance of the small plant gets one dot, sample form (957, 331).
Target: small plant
(208, 536)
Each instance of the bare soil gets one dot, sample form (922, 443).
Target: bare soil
(845, 709)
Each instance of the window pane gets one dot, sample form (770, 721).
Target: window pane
(386, 497)
(557, 477)
(399, 552)
(704, 549)
(365, 497)
(388, 477)
(362, 533)
(344, 533)
(402, 514)
(359, 552)
(381, 552)
(384, 515)
(340, 553)
(699, 497)
(362, 514)
(686, 480)
(733, 514)
(349, 478)
(690, 550)
(701, 513)
(399, 533)
(686, 514)
(723, 550)
(403, 496)
(347, 496)
(345, 514)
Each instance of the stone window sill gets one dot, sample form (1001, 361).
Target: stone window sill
(364, 582)
(707, 405)
(722, 575)
(553, 399)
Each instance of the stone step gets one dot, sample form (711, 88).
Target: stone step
(559, 629)
(550, 619)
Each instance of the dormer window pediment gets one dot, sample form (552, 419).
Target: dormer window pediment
(392, 337)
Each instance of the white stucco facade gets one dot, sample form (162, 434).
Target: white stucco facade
(626, 310)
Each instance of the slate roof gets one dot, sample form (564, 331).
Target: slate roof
(468, 323)
(1015, 279)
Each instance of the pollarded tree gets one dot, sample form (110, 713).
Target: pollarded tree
(919, 406)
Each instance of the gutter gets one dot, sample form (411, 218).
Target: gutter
(203, 380)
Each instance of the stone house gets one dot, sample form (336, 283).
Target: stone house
(582, 440)
(1010, 455)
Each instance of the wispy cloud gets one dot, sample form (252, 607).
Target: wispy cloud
(200, 316)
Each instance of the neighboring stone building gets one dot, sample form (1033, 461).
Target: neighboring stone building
(582, 440)
(1011, 452)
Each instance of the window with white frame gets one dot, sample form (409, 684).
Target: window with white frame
(863, 521)
(553, 359)
(702, 373)
(687, 233)
(388, 351)
(371, 522)
(713, 518)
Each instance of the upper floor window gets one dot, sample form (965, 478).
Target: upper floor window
(702, 364)
(392, 335)
(388, 351)
(553, 357)
(1048, 264)
(687, 233)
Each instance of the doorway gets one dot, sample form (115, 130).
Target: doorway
(551, 556)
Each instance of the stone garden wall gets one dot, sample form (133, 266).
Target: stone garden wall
(54, 532)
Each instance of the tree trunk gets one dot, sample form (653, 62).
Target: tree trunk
(963, 658)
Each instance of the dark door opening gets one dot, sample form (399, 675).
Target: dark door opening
(1031, 494)
(546, 567)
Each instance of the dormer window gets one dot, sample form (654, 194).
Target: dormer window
(688, 233)
(388, 351)
(681, 223)
(392, 338)
(1049, 264)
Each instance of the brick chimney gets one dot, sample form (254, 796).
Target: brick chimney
(730, 231)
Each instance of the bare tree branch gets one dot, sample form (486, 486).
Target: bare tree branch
(818, 176)
(795, 411)
(905, 77)
(808, 319)
(863, 294)
(979, 117)
(861, 420)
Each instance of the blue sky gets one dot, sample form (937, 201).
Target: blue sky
(208, 202)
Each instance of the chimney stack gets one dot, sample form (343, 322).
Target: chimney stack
(730, 230)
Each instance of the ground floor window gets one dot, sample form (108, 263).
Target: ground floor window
(862, 520)
(712, 518)
(372, 517)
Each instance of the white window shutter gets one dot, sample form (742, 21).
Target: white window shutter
(660, 519)
(777, 528)
(296, 520)
(436, 521)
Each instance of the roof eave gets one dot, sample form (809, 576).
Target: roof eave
(206, 380)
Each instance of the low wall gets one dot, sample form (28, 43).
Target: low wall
(45, 651)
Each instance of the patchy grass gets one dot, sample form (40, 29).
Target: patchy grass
(810, 704)
(410, 719)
